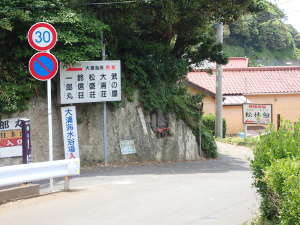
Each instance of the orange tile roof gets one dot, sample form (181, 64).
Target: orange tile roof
(250, 80)
(236, 62)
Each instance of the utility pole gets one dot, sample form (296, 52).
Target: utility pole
(219, 95)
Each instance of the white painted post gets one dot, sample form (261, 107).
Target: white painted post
(105, 138)
(67, 183)
(50, 128)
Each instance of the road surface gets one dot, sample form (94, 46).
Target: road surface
(207, 192)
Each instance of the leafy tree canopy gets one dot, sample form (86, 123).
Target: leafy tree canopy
(263, 30)
(158, 40)
(78, 39)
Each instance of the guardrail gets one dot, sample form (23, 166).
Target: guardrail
(38, 171)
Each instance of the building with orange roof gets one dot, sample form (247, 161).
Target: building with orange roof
(276, 85)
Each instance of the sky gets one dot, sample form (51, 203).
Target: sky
(291, 8)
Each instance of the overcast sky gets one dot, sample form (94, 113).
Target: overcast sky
(292, 10)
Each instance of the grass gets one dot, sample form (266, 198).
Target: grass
(260, 221)
(247, 142)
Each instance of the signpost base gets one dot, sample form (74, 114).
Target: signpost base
(67, 184)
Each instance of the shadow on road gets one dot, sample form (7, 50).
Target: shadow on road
(223, 164)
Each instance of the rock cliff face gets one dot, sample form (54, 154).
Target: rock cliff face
(127, 122)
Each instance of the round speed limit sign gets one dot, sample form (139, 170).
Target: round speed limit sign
(42, 36)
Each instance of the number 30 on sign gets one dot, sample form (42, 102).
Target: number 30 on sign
(42, 36)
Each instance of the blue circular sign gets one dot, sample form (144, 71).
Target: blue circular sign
(43, 66)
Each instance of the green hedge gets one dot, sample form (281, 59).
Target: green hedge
(209, 121)
(208, 143)
(283, 180)
(270, 155)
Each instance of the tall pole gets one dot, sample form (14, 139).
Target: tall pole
(105, 138)
(50, 127)
(219, 96)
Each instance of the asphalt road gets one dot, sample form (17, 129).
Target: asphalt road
(207, 192)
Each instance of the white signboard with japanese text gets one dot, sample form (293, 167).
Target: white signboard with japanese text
(69, 124)
(257, 113)
(127, 147)
(10, 138)
(90, 81)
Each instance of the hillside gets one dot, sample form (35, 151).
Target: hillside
(264, 37)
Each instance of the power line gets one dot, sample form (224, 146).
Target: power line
(94, 3)
(120, 2)
(109, 3)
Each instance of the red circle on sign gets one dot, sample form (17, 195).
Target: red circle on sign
(51, 72)
(36, 26)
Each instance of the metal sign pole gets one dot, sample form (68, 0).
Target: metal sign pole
(105, 138)
(50, 128)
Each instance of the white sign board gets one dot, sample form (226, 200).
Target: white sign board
(257, 113)
(69, 124)
(10, 138)
(127, 147)
(90, 81)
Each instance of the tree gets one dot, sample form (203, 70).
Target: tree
(276, 36)
(78, 39)
(264, 29)
(158, 40)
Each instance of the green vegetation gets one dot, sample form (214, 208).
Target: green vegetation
(264, 38)
(283, 179)
(79, 35)
(247, 142)
(208, 131)
(208, 144)
(261, 221)
(276, 169)
(156, 41)
(209, 121)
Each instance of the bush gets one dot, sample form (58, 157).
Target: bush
(283, 178)
(209, 121)
(208, 143)
(283, 144)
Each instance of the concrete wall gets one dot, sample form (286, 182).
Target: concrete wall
(127, 122)
(209, 105)
(233, 116)
(287, 105)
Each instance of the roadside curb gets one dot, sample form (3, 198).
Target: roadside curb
(20, 192)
